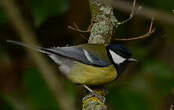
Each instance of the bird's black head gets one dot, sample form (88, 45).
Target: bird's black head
(120, 56)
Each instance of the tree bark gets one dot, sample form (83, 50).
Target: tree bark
(103, 24)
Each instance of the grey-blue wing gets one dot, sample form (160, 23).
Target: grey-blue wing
(83, 53)
(78, 54)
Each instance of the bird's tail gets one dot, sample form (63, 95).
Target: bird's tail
(39, 49)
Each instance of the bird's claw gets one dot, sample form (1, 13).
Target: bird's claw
(94, 94)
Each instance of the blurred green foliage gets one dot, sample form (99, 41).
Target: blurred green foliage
(166, 5)
(148, 85)
(44, 9)
(3, 18)
(146, 89)
(38, 92)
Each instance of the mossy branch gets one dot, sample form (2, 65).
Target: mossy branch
(103, 26)
(103, 22)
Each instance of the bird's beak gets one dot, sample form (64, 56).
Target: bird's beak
(132, 60)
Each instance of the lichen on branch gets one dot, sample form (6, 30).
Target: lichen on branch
(103, 25)
(103, 22)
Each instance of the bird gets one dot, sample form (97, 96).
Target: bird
(88, 64)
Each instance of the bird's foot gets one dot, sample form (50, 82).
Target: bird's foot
(93, 94)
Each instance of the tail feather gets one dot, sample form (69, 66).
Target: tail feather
(39, 49)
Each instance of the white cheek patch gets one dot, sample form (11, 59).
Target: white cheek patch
(116, 58)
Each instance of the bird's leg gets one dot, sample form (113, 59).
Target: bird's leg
(93, 93)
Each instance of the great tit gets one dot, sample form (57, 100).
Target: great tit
(88, 64)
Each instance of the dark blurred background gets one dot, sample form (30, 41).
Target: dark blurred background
(146, 85)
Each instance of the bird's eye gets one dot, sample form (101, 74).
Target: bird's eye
(116, 57)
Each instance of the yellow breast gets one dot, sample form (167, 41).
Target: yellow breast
(91, 75)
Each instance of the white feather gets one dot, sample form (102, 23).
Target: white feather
(64, 68)
(64, 64)
(55, 59)
(87, 56)
(116, 58)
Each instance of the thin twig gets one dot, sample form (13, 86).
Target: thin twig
(131, 14)
(148, 34)
(145, 11)
(76, 28)
(82, 36)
